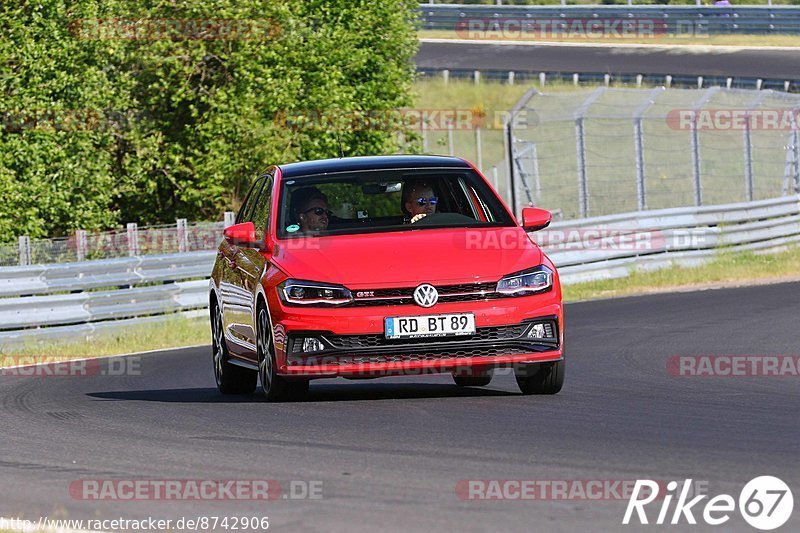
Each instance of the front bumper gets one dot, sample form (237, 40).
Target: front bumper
(355, 345)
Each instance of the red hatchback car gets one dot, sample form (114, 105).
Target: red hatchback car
(375, 266)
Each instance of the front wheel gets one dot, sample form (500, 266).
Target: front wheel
(540, 378)
(274, 386)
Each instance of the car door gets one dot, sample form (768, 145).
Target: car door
(235, 299)
(251, 264)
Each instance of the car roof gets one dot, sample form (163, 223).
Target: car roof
(384, 162)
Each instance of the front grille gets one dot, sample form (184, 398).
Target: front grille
(376, 348)
(463, 292)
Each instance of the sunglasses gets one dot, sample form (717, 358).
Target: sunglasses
(319, 211)
(422, 202)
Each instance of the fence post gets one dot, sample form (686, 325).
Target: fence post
(24, 250)
(511, 78)
(748, 160)
(445, 76)
(580, 149)
(477, 76)
(638, 144)
(133, 239)
(478, 148)
(230, 218)
(183, 235)
(81, 244)
(698, 191)
(450, 138)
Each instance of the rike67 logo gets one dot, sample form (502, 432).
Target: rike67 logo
(765, 503)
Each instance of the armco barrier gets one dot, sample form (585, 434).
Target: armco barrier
(55, 301)
(676, 20)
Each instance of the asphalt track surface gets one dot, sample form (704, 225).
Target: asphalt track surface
(708, 61)
(390, 452)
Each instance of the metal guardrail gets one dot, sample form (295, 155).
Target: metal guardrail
(54, 301)
(612, 246)
(672, 20)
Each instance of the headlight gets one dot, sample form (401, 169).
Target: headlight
(300, 292)
(537, 279)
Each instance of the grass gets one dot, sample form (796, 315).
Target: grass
(702, 40)
(173, 333)
(727, 269)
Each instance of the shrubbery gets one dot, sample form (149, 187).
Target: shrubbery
(100, 128)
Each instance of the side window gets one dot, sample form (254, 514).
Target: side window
(261, 210)
(249, 200)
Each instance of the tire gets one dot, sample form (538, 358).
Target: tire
(230, 378)
(477, 380)
(541, 378)
(275, 387)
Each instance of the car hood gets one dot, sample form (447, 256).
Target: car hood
(407, 258)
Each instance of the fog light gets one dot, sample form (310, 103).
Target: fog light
(310, 344)
(537, 331)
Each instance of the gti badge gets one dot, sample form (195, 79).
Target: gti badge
(426, 295)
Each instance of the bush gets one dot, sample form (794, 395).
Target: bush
(152, 129)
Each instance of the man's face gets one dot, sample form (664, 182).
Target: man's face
(420, 201)
(315, 216)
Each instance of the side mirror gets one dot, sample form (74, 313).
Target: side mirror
(243, 234)
(534, 218)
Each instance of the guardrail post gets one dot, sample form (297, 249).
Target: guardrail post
(230, 218)
(81, 244)
(183, 235)
(133, 239)
(24, 250)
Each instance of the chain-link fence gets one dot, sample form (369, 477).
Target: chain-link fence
(608, 150)
(131, 241)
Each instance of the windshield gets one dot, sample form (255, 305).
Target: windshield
(393, 200)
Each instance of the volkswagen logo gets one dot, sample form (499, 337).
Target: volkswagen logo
(426, 295)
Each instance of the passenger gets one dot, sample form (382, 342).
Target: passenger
(310, 209)
(418, 200)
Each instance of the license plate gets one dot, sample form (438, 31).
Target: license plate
(409, 327)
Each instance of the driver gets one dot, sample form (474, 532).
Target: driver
(418, 200)
(310, 209)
